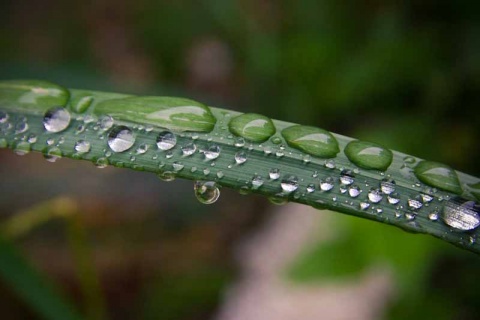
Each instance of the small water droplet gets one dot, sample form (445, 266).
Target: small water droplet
(166, 140)
(274, 173)
(306, 158)
(354, 191)
(56, 119)
(426, 198)
(189, 149)
(326, 184)
(3, 117)
(240, 142)
(375, 195)
(105, 122)
(168, 154)
(177, 166)
(410, 216)
(279, 154)
(277, 200)
(461, 214)
(415, 204)
(50, 141)
(32, 138)
(82, 146)
(387, 186)
(142, 148)
(120, 139)
(433, 216)
(101, 163)
(220, 174)
(206, 171)
(267, 150)
(310, 188)
(212, 152)
(206, 192)
(330, 164)
(364, 205)
(347, 177)
(276, 140)
(257, 181)
(240, 157)
(166, 175)
(289, 183)
(393, 198)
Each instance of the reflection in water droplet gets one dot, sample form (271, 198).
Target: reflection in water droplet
(206, 192)
(326, 184)
(274, 173)
(56, 119)
(314, 141)
(120, 139)
(375, 196)
(82, 146)
(240, 157)
(189, 149)
(212, 152)
(289, 183)
(461, 214)
(387, 186)
(166, 140)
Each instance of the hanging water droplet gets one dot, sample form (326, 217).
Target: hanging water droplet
(177, 166)
(105, 122)
(240, 157)
(240, 142)
(212, 152)
(415, 204)
(330, 164)
(52, 154)
(82, 146)
(289, 183)
(3, 117)
(142, 148)
(166, 176)
(166, 140)
(375, 196)
(189, 149)
(274, 173)
(393, 198)
(257, 181)
(310, 188)
(461, 214)
(206, 192)
(347, 177)
(277, 200)
(387, 186)
(22, 148)
(56, 119)
(326, 184)
(354, 191)
(120, 139)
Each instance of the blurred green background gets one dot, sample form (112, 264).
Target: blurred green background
(402, 73)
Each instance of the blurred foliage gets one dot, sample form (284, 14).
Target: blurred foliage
(401, 73)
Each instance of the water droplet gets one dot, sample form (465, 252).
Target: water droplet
(438, 175)
(177, 166)
(142, 148)
(53, 154)
(257, 181)
(120, 139)
(240, 157)
(206, 192)
(289, 183)
(240, 142)
(375, 195)
(206, 171)
(433, 216)
(105, 122)
(314, 141)
(21, 127)
(326, 184)
(32, 138)
(461, 214)
(393, 198)
(306, 158)
(415, 204)
(189, 149)
(166, 140)
(22, 148)
(354, 191)
(56, 119)
(310, 188)
(387, 186)
(50, 141)
(279, 154)
(277, 200)
(3, 117)
(274, 173)
(82, 146)
(212, 152)
(426, 198)
(80, 105)
(220, 174)
(3, 143)
(276, 140)
(364, 205)
(368, 155)
(409, 160)
(166, 176)
(330, 164)
(410, 216)
(252, 126)
(347, 177)
(176, 114)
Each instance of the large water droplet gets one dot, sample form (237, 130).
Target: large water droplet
(176, 114)
(166, 140)
(438, 175)
(206, 192)
(461, 214)
(82, 146)
(354, 191)
(56, 119)
(368, 155)
(314, 141)
(375, 195)
(415, 204)
(274, 173)
(212, 152)
(240, 157)
(387, 186)
(289, 183)
(105, 122)
(347, 177)
(327, 184)
(393, 198)
(120, 139)
(252, 126)
(189, 149)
